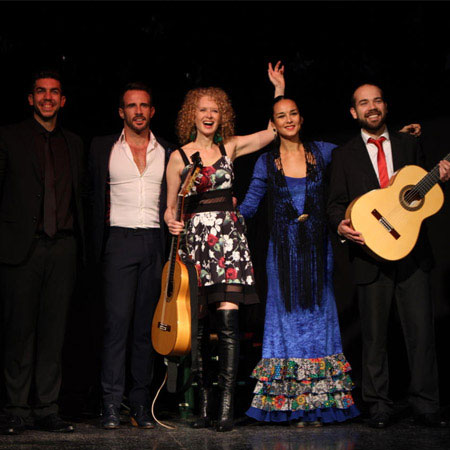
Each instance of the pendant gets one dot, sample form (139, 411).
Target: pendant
(303, 217)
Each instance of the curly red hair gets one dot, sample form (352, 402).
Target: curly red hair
(186, 116)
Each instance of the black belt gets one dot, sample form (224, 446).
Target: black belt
(218, 200)
(57, 235)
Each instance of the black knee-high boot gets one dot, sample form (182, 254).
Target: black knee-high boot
(228, 333)
(204, 376)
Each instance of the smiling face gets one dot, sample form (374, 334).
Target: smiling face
(137, 111)
(46, 99)
(369, 108)
(287, 118)
(207, 116)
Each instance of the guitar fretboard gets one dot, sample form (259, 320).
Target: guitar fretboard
(174, 249)
(429, 180)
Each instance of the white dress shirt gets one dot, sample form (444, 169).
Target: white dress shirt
(135, 196)
(372, 149)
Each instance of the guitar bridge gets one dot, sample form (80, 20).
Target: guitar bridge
(163, 326)
(386, 224)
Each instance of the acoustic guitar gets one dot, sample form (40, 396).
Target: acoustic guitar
(390, 218)
(171, 325)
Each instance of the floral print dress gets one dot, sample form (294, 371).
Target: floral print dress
(216, 243)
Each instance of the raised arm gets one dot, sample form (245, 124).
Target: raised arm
(243, 145)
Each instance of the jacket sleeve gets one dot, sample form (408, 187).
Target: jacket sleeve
(338, 198)
(3, 163)
(256, 190)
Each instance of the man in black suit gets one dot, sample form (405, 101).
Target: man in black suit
(41, 220)
(365, 163)
(127, 173)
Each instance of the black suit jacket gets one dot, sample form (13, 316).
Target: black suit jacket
(22, 189)
(98, 169)
(352, 175)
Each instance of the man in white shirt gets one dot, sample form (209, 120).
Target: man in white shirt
(128, 192)
(364, 163)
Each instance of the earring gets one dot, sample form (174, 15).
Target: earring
(217, 138)
(193, 134)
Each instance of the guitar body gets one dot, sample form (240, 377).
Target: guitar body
(388, 220)
(171, 326)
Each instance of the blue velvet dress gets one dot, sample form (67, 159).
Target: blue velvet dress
(303, 374)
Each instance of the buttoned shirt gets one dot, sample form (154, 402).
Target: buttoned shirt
(134, 196)
(372, 149)
(63, 174)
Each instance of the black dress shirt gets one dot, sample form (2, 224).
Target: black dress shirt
(63, 174)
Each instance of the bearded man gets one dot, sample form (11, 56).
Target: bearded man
(364, 163)
(128, 193)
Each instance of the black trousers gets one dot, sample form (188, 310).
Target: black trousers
(36, 296)
(132, 266)
(411, 292)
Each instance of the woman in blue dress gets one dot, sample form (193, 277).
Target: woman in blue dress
(303, 376)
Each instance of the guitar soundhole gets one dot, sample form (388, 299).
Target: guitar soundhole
(410, 199)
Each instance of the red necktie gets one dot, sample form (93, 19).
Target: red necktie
(381, 160)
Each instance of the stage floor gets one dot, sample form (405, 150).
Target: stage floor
(246, 435)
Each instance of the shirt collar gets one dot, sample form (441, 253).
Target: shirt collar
(41, 130)
(365, 136)
(152, 143)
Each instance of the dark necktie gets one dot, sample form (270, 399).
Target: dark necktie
(49, 190)
(381, 160)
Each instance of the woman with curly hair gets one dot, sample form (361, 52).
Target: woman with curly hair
(213, 234)
(303, 376)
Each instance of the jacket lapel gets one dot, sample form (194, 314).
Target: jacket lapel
(397, 151)
(28, 144)
(73, 161)
(364, 164)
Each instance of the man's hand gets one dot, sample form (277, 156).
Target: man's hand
(444, 170)
(347, 232)
(414, 129)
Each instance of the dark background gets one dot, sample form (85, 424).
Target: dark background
(328, 48)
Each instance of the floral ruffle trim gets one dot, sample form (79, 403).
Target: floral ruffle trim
(269, 369)
(303, 389)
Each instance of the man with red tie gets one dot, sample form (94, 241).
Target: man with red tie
(364, 163)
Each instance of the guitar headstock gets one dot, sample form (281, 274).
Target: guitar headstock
(196, 160)
(190, 177)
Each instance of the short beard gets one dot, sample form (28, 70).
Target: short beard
(364, 124)
(138, 130)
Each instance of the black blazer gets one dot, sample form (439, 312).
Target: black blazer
(98, 169)
(352, 175)
(22, 190)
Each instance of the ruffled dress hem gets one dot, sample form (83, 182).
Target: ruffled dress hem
(325, 415)
(306, 389)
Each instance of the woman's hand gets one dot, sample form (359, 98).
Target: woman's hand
(175, 227)
(276, 77)
(271, 127)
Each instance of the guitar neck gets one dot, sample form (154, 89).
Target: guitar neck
(429, 180)
(174, 247)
